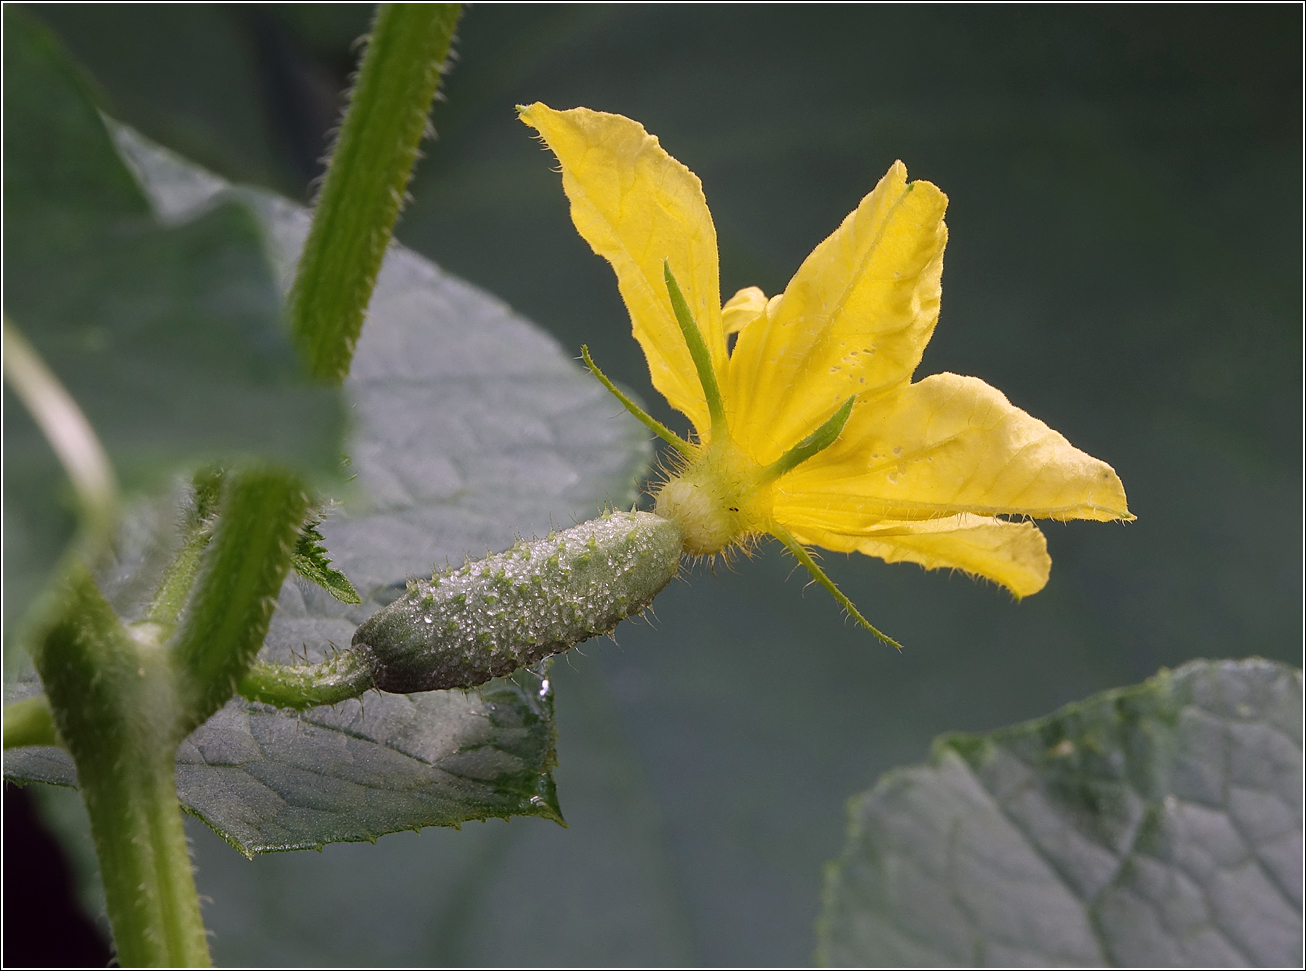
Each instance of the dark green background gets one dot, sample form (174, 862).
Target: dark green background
(1124, 263)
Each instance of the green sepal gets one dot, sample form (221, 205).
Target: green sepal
(818, 441)
(647, 420)
(804, 557)
(697, 350)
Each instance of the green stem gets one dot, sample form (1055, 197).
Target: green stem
(303, 686)
(30, 722)
(113, 696)
(144, 861)
(367, 178)
(66, 428)
(244, 567)
(180, 577)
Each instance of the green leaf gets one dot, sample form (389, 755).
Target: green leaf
(469, 427)
(433, 883)
(167, 332)
(311, 561)
(267, 780)
(1155, 825)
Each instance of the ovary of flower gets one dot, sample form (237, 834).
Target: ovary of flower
(811, 429)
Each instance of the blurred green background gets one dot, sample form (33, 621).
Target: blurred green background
(1124, 263)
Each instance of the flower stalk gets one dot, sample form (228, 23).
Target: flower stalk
(304, 686)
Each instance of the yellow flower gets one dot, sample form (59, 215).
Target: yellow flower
(811, 429)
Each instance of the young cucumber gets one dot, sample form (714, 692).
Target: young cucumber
(465, 626)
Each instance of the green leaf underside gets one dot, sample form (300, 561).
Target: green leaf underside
(1154, 825)
(168, 333)
(312, 562)
(266, 780)
(470, 427)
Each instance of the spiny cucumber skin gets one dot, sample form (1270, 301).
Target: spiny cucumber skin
(486, 619)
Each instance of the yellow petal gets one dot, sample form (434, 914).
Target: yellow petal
(742, 309)
(637, 206)
(855, 319)
(948, 445)
(1012, 554)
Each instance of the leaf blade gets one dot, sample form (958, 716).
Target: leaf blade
(1078, 838)
(312, 562)
(167, 334)
(269, 781)
(470, 426)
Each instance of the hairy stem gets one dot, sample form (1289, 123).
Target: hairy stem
(185, 567)
(113, 696)
(145, 862)
(308, 685)
(366, 180)
(30, 722)
(244, 566)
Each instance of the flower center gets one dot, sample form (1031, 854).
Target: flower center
(719, 498)
(722, 495)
